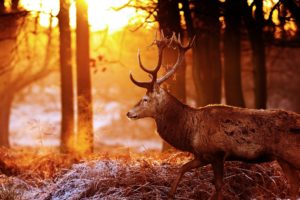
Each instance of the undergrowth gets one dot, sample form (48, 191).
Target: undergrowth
(128, 175)
(10, 193)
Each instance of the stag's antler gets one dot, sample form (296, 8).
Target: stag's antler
(161, 44)
(182, 49)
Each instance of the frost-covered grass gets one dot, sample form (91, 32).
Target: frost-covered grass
(10, 193)
(129, 175)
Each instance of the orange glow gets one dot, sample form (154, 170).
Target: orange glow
(45, 7)
(101, 13)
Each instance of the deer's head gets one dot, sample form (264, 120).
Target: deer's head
(155, 97)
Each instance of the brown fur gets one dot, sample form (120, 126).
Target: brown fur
(216, 133)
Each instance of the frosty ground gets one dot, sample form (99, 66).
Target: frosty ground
(27, 174)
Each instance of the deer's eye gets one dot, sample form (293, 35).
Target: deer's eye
(145, 100)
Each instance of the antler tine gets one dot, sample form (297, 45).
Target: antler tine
(181, 50)
(161, 44)
(190, 44)
(179, 39)
(159, 62)
(141, 64)
(162, 35)
(147, 85)
(173, 38)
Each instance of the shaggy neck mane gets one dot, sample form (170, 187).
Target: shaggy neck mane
(171, 123)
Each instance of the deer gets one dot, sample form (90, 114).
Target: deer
(217, 133)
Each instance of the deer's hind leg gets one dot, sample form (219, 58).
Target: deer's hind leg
(292, 176)
(218, 168)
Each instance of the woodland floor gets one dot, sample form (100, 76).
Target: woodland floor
(29, 174)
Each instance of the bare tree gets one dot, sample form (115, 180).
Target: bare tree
(206, 52)
(232, 54)
(254, 26)
(168, 18)
(2, 6)
(14, 4)
(67, 94)
(84, 96)
(13, 37)
(9, 27)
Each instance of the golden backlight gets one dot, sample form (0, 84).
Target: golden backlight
(101, 13)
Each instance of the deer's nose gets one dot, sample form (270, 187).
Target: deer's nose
(131, 115)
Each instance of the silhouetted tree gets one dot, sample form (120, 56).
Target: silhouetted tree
(67, 96)
(84, 96)
(5, 109)
(16, 82)
(8, 35)
(2, 6)
(14, 4)
(254, 26)
(168, 17)
(206, 52)
(232, 54)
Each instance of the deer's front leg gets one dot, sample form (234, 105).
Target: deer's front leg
(186, 167)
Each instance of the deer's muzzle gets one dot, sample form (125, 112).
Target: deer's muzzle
(131, 115)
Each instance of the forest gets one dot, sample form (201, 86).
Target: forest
(72, 73)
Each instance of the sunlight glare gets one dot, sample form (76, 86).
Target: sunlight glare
(101, 13)
(47, 8)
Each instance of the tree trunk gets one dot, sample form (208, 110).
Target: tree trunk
(5, 109)
(188, 18)
(258, 46)
(232, 54)
(84, 96)
(255, 31)
(8, 29)
(206, 53)
(169, 22)
(67, 96)
(2, 7)
(14, 4)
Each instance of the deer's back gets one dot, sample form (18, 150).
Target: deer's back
(246, 134)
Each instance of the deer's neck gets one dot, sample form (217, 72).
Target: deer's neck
(171, 126)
